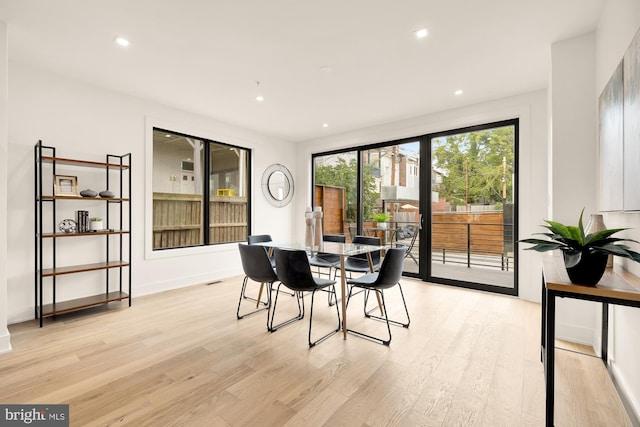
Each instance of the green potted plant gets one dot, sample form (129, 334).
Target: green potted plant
(381, 219)
(585, 256)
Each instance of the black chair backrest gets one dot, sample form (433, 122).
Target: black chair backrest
(338, 238)
(391, 268)
(256, 264)
(258, 238)
(375, 256)
(293, 269)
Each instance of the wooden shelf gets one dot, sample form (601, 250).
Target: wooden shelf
(112, 262)
(48, 272)
(88, 233)
(81, 303)
(76, 198)
(85, 163)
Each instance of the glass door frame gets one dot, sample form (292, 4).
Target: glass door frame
(426, 170)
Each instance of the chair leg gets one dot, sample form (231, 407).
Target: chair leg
(244, 296)
(384, 319)
(324, 337)
(300, 301)
(371, 337)
(395, 322)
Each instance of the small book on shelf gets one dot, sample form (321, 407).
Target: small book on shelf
(82, 221)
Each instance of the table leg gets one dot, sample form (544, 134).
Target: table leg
(343, 289)
(260, 295)
(604, 345)
(550, 314)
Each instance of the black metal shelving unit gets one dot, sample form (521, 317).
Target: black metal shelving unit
(45, 163)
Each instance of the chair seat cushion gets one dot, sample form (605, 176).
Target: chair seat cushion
(365, 280)
(358, 265)
(324, 261)
(323, 282)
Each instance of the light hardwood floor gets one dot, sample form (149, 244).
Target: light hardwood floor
(181, 358)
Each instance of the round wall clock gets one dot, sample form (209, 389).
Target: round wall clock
(67, 226)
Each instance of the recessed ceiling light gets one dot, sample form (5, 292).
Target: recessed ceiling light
(121, 41)
(325, 125)
(458, 92)
(259, 98)
(422, 33)
(167, 136)
(325, 69)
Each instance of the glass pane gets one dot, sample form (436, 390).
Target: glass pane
(472, 206)
(335, 183)
(391, 191)
(228, 193)
(177, 190)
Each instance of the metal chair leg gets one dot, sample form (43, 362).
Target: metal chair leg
(244, 296)
(300, 316)
(324, 337)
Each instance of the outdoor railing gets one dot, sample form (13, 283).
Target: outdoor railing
(480, 244)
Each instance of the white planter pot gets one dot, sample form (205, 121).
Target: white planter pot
(96, 225)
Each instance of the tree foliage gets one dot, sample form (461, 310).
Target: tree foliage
(343, 174)
(474, 161)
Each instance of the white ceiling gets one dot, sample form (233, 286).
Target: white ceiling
(206, 56)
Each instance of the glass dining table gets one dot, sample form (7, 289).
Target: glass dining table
(343, 250)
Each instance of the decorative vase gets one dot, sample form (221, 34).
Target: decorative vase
(588, 270)
(317, 226)
(382, 225)
(308, 234)
(88, 193)
(596, 223)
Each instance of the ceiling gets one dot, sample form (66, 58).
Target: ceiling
(347, 63)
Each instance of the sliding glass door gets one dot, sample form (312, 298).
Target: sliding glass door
(473, 207)
(450, 198)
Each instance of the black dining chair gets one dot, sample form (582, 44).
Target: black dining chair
(294, 271)
(330, 262)
(387, 277)
(261, 238)
(257, 267)
(360, 263)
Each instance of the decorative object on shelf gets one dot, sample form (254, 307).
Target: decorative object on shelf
(277, 185)
(381, 219)
(96, 224)
(595, 224)
(585, 256)
(65, 185)
(67, 226)
(88, 193)
(107, 194)
(82, 221)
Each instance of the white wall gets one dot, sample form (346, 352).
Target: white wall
(619, 22)
(5, 344)
(530, 108)
(573, 158)
(83, 121)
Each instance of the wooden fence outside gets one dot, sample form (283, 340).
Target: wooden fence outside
(177, 220)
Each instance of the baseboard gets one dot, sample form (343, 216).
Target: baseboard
(26, 314)
(5, 342)
(183, 282)
(574, 333)
(629, 401)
